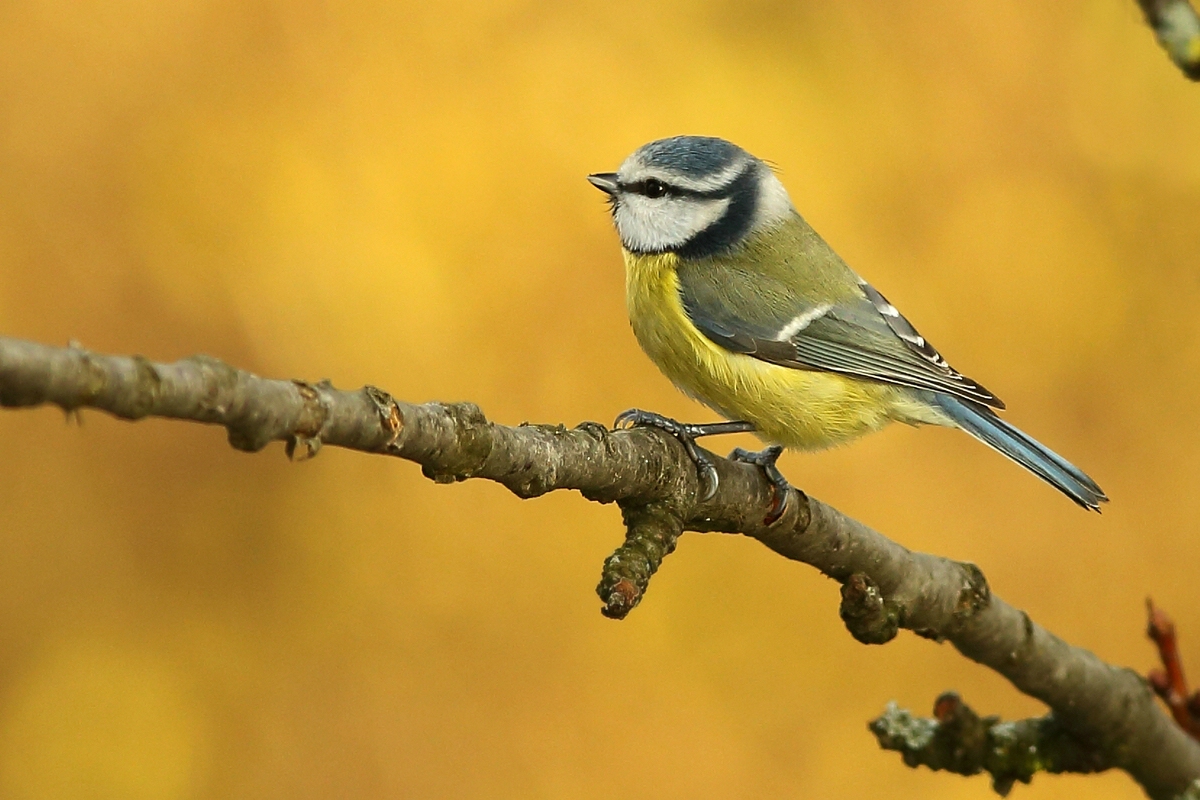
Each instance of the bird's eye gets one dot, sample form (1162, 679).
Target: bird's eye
(653, 187)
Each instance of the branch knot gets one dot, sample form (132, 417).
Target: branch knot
(973, 597)
(870, 618)
(471, 448)
(388, 410)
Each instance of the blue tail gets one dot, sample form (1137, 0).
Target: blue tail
(982, 423)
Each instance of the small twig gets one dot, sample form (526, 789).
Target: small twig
(1169, 682)
(1177, 27)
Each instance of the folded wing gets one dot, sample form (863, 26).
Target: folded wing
(861, 335)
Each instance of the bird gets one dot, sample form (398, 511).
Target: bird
(745, 308)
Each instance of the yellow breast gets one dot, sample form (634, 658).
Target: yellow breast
(797, 408)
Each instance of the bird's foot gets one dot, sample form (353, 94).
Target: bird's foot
(765, 460)
(687, 434)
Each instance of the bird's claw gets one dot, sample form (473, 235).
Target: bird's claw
(709, 480)
(765, 460)
(635, 417)
(686, 434)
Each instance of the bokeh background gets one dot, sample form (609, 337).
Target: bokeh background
(393, 193)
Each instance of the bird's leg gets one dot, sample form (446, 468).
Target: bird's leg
(687, 434)
(765, 460)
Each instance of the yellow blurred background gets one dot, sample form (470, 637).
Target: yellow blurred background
(393, 193)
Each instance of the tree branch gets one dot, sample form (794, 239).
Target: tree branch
(1177, 27)
(1107, 710)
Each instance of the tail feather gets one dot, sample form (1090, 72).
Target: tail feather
(982, 423)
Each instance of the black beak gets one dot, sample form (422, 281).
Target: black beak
(605, 182)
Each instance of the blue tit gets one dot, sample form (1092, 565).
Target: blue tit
(746, 309)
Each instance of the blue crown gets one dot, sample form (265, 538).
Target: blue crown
(692, 156)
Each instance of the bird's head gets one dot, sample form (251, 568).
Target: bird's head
(691, 195)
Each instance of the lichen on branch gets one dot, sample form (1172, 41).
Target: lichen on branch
(958, 740)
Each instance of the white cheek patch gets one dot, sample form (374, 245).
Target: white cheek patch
(654, 225)
(773, 201)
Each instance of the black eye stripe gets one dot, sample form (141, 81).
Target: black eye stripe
(650, 187)
(655, 187)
